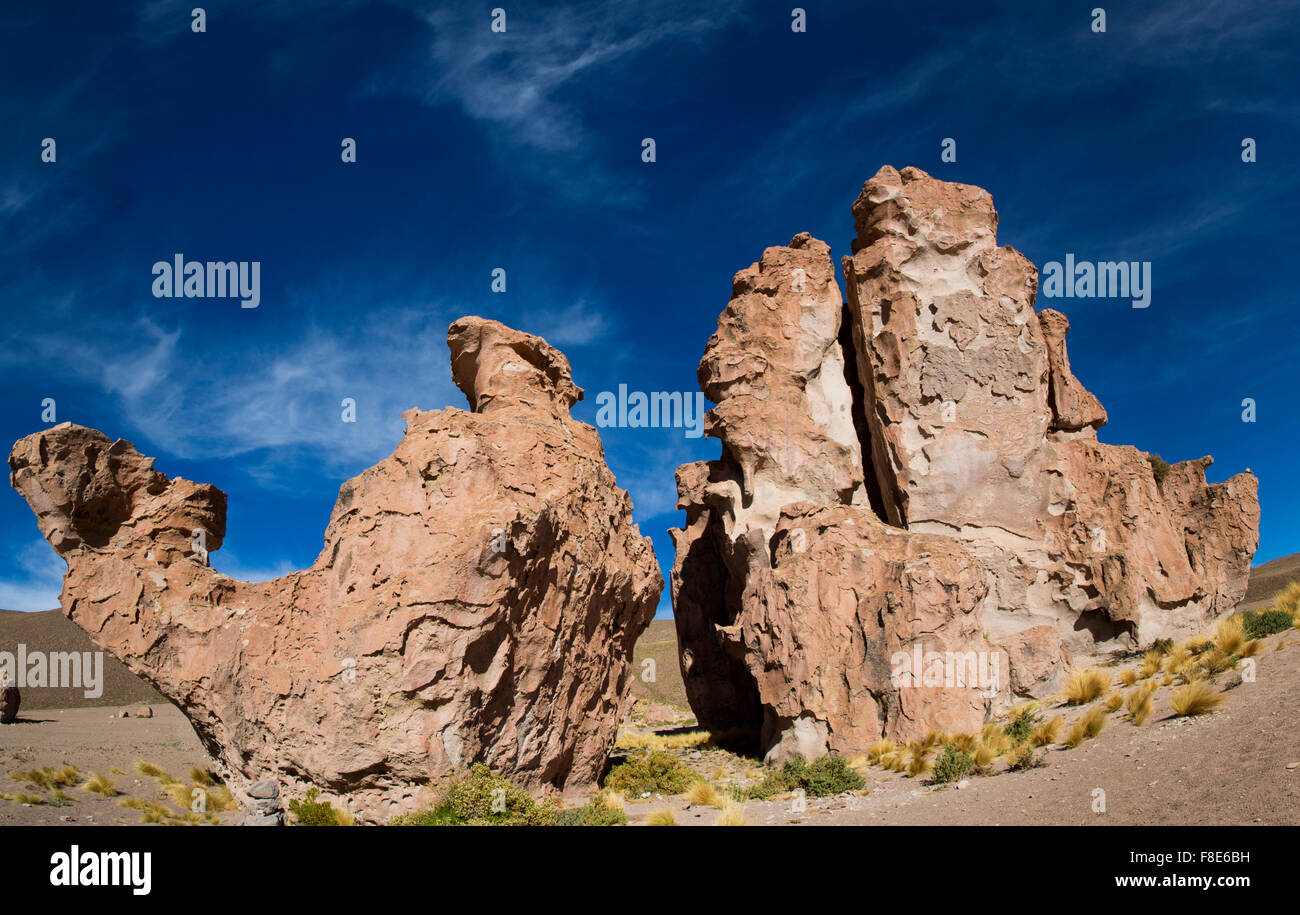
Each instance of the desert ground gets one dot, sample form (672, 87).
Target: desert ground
(1237, 765)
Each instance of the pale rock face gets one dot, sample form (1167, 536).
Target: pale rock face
(477, 597)
(977, 444)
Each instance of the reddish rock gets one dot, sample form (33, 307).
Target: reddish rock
(969, 440)
(476, 599)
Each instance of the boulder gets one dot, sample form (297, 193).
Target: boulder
(911, 482)
(476, 599)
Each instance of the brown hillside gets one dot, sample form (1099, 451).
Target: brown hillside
(50, 631)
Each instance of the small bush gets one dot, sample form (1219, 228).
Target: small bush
(1258, 625)
(1022, 724)
(310, 812)
(1023, 757)
(1159, 468)
(827, 775)
(480, 797)
(596, 812)
(952, 765)
(650, 773)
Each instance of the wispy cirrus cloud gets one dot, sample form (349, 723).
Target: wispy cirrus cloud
(35, 579)
(525, 85)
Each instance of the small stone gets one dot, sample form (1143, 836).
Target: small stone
(266, 788)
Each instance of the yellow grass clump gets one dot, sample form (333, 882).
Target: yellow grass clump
(612, 799)
(1047, 732)
(1288, 600)
(1138, 703)
(1229, 635)
(663, 817)
(1152, 661)
(703, 794)
(880, 749)
(100, 783)
(1114, 702)
(1087, 726)
(1128, 677)
(732, 813)
(1196, 698)
(680, 741)
(158, 772)
(1083, 686)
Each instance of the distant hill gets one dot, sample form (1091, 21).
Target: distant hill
(1269, 578)
(50, 631)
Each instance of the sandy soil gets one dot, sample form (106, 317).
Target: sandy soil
(1226, 768)
(94, 742)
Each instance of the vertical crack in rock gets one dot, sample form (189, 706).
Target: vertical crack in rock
(872, 478)
(476, 598)
(945, 501)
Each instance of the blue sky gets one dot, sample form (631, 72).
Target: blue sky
(522, 150)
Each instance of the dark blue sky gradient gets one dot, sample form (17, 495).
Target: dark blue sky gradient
(522, 151)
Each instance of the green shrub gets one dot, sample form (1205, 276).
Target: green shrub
(952, 765)
(653, 773)
(1159, 467)
(827, 775)
(311, 812)
(595, 813)
(480, 797)
(1022, 726)
(1257, 625)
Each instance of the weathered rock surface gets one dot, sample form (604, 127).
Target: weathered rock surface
(477, 597)
(958, 440)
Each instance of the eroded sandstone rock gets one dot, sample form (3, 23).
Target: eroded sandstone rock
(476, 599)
(972, 445)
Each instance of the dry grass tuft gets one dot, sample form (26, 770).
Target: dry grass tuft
(1084, 686)
(685, 741)
(1229, 635)
(1087, 726)
(149, 769)
(880, 749)
(732, 813)
(663, 817)
(100, 784)
(703, 794)
(1114, 702)
(1138, 703)
(1128, 677)
(1047, 732)
(1196, 698)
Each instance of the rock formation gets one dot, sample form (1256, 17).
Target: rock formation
(477, 597)
(914, 475)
